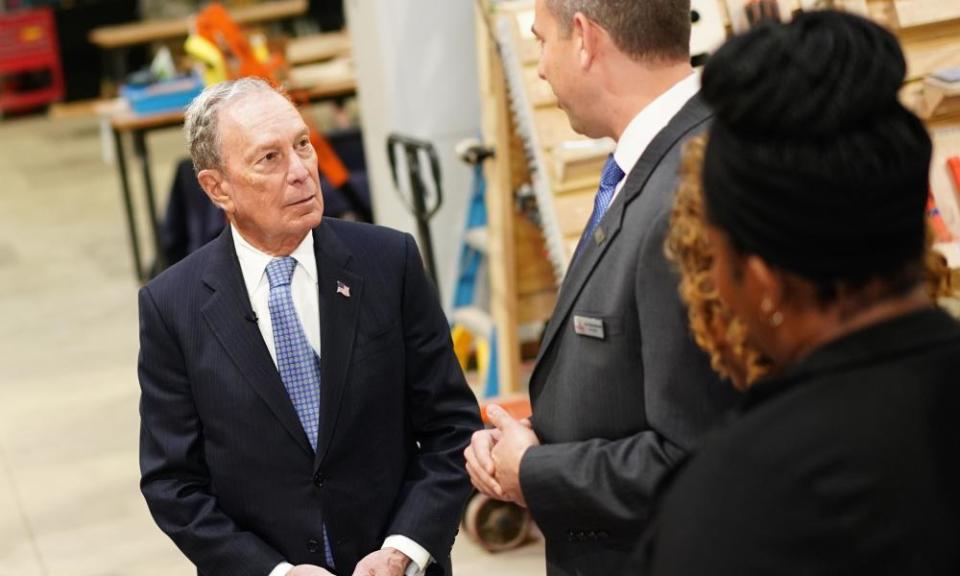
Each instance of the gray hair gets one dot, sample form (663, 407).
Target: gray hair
(657, 30)
(202, 118)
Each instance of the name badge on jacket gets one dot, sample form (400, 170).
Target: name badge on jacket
(589, 327)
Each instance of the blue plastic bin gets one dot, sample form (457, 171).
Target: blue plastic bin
(165, 96)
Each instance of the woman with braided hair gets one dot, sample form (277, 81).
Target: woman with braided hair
(842, 458)
(720, 334)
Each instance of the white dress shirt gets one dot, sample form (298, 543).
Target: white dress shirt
(303, 289)
(649, 122)
(306, 300)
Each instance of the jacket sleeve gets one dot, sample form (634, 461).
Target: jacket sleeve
(174, 477)
(444, 414)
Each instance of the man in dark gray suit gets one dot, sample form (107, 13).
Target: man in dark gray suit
(620, 391)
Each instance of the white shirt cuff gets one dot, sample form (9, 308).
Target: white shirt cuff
(419, 557)
(281, 569)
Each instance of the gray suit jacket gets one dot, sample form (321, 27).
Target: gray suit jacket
(615, 413)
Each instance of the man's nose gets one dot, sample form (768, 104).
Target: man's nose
(299, 171)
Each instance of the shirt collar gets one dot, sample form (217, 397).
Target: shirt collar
(253, 262)
(651, 120)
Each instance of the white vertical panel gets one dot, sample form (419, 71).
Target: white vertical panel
(417, 74)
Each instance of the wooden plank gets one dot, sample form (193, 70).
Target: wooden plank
(935, 102)
(573, 211)
(575, 162)
(533, 277)
(498, 171)
(332, 89)
(128, 121)
(588, 183)
(553, 127)
(921, 12)
(539, 90)
(854, 6)
(77, 109)
(317, 47)
(337, 72)
(534, 273)
(930, 48)
(136, 33)
(529, 47)
(537, 307)
(883, 12)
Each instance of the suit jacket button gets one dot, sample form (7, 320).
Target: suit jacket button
(592, 536)
(318, 479)
(571, 535)
(313, 545)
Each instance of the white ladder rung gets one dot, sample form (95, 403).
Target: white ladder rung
(474, 319)
(477, 238)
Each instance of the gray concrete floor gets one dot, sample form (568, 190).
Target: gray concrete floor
(69, 502)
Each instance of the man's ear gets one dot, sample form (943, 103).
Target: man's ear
(216, 188)
(585, 35)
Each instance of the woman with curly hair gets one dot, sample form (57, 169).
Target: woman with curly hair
(714, 328)
(843, 457)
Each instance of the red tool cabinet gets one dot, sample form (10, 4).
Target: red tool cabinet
(28, 43)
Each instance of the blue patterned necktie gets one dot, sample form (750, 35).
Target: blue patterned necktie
(298, 364)
(609, 178)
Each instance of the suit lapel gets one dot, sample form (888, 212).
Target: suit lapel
(230, 316)
(690, 116)
(338, 325)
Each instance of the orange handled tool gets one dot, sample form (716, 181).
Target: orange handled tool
(940, 231)
(953, 164)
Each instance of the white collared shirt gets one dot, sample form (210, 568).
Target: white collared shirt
(303, 288)
(306, 300)
(649, 122)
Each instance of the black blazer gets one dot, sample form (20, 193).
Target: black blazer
(848, 464)
(227, 470)
(615, 413)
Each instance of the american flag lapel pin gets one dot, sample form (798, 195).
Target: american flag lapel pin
(343, 289)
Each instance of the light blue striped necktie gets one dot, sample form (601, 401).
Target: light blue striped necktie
(298, 364)
(609, 178)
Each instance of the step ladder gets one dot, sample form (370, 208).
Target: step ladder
(472, 328)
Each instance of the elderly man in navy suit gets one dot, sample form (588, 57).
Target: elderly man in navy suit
(302, 409)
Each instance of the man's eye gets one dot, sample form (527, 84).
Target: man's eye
(270, 156)
(303, 143)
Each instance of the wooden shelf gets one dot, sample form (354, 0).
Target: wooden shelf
(136, 33)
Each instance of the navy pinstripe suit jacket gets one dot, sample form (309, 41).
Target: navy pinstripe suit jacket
(227, 470)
